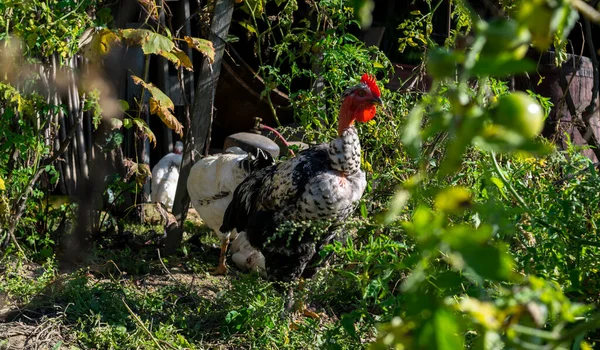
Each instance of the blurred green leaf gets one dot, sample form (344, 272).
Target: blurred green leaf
(488, 261)
(397, 204)
(465, 129)
(501, 66)
(411, 137)
(363, 10)
(441, 332)
(453, 199)
(441, 62)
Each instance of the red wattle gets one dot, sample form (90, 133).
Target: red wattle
(365, 114)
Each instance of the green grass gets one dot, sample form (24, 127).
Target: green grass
(127, 298)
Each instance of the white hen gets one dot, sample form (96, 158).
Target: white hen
(165, 175)
(246, 257)
(210, 185)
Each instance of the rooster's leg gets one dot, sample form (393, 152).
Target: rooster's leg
(221, 269)
(300, 306)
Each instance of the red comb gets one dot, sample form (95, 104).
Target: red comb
(370, 81)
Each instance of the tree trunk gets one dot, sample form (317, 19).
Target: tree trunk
(197, 135)
(78, 115)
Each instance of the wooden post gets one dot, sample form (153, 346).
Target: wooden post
(197, 133)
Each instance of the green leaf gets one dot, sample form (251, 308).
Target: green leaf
(141, 124)
(249, 27)
(203, 46)
(127, 123)
(460, 235)
(488, 261)
(441, 332)
(563, 20)
(231, 315)
(178, 57)
(95, 44)
(372, 290)
(411, 137)
(363, 210)
(151, 42)
(347, 322)
(397, 204)
(497, 138)
(453, 199)
(161, 105)
(157, 44)
(501, 66)
(500, 185)
(124, 105)
(156, 93)
(115, 123)
(466, 128)
(363, 10)
(441, 62)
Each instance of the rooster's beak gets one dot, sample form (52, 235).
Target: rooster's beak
(377, 101)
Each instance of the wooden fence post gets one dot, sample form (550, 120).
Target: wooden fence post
(201, 119)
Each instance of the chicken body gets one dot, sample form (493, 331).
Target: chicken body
(165, 175)
(322, 185)
(246, 257)
(211, 184)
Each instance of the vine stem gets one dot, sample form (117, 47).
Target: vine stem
(507, 183)
(137, 320)
(283, 140)
(268, 89)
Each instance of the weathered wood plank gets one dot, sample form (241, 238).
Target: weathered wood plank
(201, 118)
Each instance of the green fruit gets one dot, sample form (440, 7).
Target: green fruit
(520, 113)
(506, 37)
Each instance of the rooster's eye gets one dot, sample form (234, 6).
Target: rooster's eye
(361, 93)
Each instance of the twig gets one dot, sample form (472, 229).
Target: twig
(283, 140)
(588, 11)
(188, 288)
(141, 324)
(589, 111)
(165, 268)
(570, 176)
(508, 184)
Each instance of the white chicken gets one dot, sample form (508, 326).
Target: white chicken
(165, 175)
(210, 185)
(246, 257)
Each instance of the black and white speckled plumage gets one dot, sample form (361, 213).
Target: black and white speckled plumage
(322, 183)
(321, 186)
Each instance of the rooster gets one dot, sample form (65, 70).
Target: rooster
(321, 185)
(165, 175)
(210, 185)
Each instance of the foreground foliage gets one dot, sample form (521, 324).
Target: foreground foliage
(473, 231)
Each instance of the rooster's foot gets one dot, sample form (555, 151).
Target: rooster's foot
(220, 270)
(301, 307)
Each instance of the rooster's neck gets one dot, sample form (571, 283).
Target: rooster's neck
(346, 118)
(344, 151)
